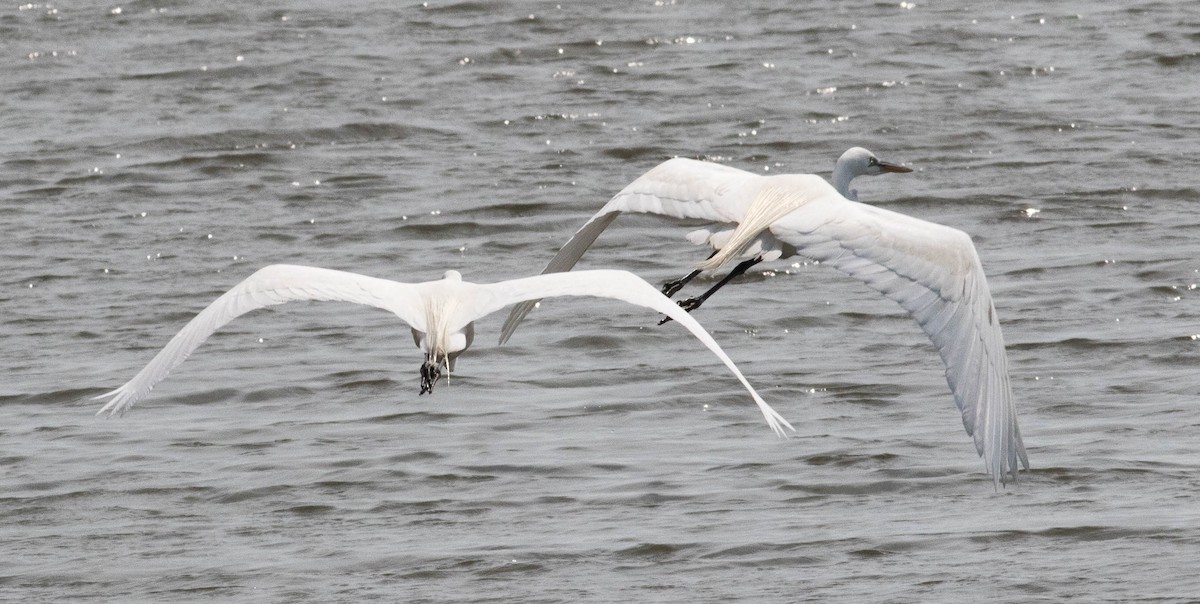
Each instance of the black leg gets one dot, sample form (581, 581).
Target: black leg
(429, 376)
(670, 288)
(693, 303)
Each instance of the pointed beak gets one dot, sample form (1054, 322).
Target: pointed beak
(887, 166)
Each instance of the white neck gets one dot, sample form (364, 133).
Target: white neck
(841, 180)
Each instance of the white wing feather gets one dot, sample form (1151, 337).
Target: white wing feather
(934, 273)
(271, 285)
(466, 302)
(618, 285)
(680, 187)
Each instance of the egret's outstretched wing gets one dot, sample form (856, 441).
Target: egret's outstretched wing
(619, 285)
(269, 286)
(680, 187)
(934, 273)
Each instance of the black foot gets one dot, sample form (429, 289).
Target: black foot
(670, 288)
(689, 305)
(429, 376)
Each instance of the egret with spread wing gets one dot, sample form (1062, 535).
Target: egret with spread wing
(855, 162)
(931, 270)
(441, 314)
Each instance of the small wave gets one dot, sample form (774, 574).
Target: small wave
(276, 393)
(419, 417)
(55, 397)
(850, 459)
(207, 397)
(414, 456)
(464, 8)
(519, 568)
(455, 230)
(413, 507)
(189, 493)
(628, 153)
(752, 550)
(276, 237)
(1082, 533)
(877, 487)
(537, 470)
(1074, 343)
(218, 161)
(1182, 60)
(591, 342)
(309, 510)
(657, 551)
(354, 179)
(281, 491)
(453, 477)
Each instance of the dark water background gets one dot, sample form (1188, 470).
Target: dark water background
(154, 153)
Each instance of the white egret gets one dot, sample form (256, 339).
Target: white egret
(931, 270)
(441, 314)
(671, 177)
(855, 162)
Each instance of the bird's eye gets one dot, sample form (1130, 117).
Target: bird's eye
(871, 161)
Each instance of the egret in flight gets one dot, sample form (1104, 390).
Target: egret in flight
(931, 270)
(855, 162)
(441, 314)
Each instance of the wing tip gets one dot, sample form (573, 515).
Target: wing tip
(1003, 473)
(776, 421)
(117, 406)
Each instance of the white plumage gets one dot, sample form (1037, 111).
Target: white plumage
(441, 314)
(931, 270)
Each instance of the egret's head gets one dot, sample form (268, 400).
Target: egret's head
(860, 162)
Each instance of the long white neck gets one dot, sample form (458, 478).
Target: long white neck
(842, 175)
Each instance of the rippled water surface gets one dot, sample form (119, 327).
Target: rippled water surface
(153, 154)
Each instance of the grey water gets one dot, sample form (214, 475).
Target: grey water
(153, 153)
